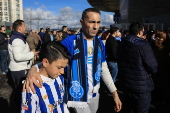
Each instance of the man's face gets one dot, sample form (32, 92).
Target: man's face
(65, 29)
(22, 28)
(91, 24)
(117, 33)
(42, 30)
(141, 33)
(3, 30)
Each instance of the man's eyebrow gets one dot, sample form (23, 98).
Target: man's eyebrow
(94, 21)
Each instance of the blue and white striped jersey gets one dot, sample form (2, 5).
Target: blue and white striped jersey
(48, 99)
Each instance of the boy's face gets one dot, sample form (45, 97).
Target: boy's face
(56, 68)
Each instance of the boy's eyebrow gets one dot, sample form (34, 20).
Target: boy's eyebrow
(61, 66)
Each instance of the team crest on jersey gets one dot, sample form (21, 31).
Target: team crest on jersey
(45, 96)
(76, 90)
(54, 105)
(25, 104)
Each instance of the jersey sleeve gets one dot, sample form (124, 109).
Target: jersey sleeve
(29, 102)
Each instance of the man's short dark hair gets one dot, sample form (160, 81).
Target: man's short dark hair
(135, 28)
(63, 27)
(1, 27)
(99, 31)
(41, 29)
(47, 29)
(113, 29)
(103, 28)
(84, 14)
(53, 51)
(16, 24)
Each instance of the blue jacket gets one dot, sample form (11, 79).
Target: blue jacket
(41, 34)
(136, 62)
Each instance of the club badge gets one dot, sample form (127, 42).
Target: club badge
(76, 90)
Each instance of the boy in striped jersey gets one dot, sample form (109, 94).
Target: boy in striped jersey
(49, 98)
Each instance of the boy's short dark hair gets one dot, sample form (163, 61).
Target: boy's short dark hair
(53, 51)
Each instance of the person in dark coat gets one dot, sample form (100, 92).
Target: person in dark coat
(47, 37)
(41, 34)
(3, 50)
(111, 52)
(136, 63)
(64, 31)
(161, 51)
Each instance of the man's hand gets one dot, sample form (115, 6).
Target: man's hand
(33, 77)
(36, 53)
(117, 101)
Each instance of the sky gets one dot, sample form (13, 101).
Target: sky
(56, 13)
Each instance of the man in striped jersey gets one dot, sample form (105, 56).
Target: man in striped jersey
(49, 98)
(86, 66)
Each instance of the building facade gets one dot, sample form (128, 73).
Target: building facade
(146, 11)
(10, 10)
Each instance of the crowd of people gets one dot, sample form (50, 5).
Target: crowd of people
(72, 64)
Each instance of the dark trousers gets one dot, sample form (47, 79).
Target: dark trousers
(18, 77)
(136, 102)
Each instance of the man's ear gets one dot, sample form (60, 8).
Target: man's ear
(19, 28)
(45, 62)
(81, 21)
(140, 33)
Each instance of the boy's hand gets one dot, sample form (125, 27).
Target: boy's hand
(33, 77)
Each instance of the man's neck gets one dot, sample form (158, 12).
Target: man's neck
(139, 36)
(19, 32)
(90, 38)
(113, 35)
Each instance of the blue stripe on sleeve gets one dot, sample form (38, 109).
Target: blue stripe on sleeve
(41, 101)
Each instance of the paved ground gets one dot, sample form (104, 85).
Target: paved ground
(6, 93)
(105, 106)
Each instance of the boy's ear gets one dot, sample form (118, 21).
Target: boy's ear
(45, 62)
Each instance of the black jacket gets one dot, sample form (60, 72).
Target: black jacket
(3, 42)
(111, 49)
(136, 62)
(47, 37)
(65, 35)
